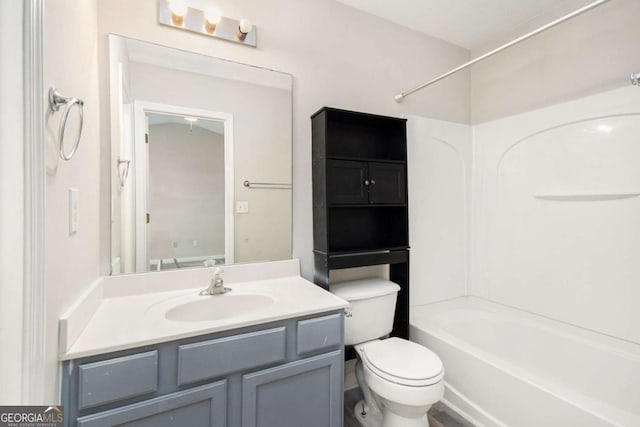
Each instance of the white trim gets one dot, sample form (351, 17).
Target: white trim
(34, 205)
(140, 173)
(12, 201)
(141, 108)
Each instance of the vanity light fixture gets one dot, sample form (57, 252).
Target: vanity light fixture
(209, 22)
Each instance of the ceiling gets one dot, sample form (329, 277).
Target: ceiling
(467, 23)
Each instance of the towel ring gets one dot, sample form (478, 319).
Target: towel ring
(55, 101)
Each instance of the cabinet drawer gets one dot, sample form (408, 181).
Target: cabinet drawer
(116, 379)
(204, 406)
(216, 358)
(319, 333)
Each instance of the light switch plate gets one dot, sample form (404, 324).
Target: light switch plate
(74, 210)
(242, 207)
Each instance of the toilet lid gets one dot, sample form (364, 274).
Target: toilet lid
(403, 362)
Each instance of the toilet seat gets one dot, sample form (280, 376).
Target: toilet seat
(402, 362)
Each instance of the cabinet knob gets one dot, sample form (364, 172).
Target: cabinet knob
(373, 182)
(366, 182)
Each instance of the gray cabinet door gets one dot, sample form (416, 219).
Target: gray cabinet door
(203, 406)
(306, 393)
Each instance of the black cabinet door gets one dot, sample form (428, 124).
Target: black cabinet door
(347, 182)
(387, 183)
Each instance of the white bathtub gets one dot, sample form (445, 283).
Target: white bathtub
(506, 367)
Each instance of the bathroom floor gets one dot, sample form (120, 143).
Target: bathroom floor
(439, 414)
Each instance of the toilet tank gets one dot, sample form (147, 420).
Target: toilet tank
(371, 310)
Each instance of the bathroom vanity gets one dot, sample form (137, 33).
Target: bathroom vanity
(280, 364)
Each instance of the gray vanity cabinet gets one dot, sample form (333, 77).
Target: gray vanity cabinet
(281, 374)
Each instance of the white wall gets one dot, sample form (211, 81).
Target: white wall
(338, 56)
(591, 53)
(11, 201)
(439, 174)
(72, 261)
(186, 191)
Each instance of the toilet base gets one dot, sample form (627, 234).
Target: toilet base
(387, 418)
(370, 419)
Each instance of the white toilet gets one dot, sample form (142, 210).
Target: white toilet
(400, 379)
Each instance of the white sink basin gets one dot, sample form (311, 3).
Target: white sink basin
(216, 307)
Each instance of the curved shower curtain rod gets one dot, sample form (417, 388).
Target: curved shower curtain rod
(399, 97)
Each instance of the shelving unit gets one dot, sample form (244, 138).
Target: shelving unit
(360, 206)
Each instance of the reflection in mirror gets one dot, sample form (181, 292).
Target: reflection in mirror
(186, 191)
(188, 131)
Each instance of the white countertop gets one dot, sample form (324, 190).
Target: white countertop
(129, 311)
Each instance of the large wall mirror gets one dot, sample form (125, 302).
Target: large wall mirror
(200, 159)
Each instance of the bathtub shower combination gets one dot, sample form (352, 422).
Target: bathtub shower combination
(506, 367)
(533, 306)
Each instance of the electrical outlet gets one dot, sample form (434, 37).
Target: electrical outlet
(174, 244)
(242, 207)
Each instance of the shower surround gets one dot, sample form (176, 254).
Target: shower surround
(545, 207)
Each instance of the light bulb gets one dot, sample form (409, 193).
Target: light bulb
(212, 15)
(212, 18)
(245, 26)
(178, 9)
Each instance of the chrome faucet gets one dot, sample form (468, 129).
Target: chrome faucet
(216, 286)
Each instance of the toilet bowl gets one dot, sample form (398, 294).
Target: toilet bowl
(400, 379)
(405, 378)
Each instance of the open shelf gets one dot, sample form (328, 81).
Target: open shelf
(358, 229)
(354, 135)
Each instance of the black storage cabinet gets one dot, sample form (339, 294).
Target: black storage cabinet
(360, 206)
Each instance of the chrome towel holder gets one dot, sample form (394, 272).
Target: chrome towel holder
(55, 102)
(273, 185)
